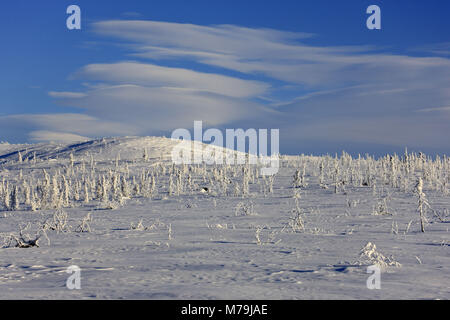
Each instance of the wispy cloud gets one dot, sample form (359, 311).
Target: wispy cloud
(65, 94)
(155, 109)
(439, 109)
(281, 55)
(132, 14)
(64, 137)
(157, 76)
(440, 49)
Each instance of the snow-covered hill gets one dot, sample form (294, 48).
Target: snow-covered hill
(102, 149)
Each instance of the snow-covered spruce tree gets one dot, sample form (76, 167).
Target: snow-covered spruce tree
(150, 186)
(422, 205)
(124, 188)
(47, 184)
(359, 174)
(65, 193)
(136, 188)
(296, 221)
(189, 181)
(153, 184)
(444, 184)
(145, 155)
(86, 193)
(55, 196)
(297, 179)
(303, 179)
(262, 186)
(236, 189)
(2, 187)
(321, 172)
(179, 180)
(144, 187)
(337, 182)
(82, 167)
(76, 190)
(270, 183)
(98, 189)
(92, 162)
(34, 204)
(26, 193)
(15, 198)
(245, 181)
(6, 197)
(170, 190)
(71, 160)
(116, 192)
(143, 184)
(105, 195)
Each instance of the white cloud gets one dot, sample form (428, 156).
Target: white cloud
(152, 109)
(65, 94)
(440, 49)
(51, 136)
(156, 76)
(131, 14)
(434, 109)
(276, 54)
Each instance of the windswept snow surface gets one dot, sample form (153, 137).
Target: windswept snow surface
(210, 239)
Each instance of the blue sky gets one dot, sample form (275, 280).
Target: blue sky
(310, 68)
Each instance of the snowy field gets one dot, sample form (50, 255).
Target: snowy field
(140, 227)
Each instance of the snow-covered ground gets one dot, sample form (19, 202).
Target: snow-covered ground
(205, 236)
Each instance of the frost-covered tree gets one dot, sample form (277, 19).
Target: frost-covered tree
(15, 198)
(65, 193)
(55, 194)
(86, 192)
(124, 188)
(423, 203)
(6, 197)
(145, 155)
